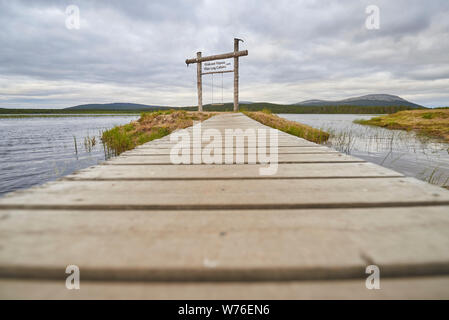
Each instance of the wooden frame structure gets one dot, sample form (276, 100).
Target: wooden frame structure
(200, 59)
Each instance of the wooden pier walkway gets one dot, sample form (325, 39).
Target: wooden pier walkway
(140, 227)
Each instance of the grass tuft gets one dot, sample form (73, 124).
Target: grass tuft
(291, 127)
(150, 126)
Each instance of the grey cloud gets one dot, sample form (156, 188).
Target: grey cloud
(140, 46)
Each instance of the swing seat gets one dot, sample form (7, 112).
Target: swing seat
(217, 104)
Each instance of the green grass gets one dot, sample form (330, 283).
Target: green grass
(122, 138)
(428, 115)
(431, 123)
(150, 126)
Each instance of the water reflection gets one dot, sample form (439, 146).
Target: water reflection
(405, 152)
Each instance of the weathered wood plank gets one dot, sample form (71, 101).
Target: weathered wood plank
(262, 245)
(282, 158)
(233, 54)
(189, 145)
(281, 150)
(231, 194)
(402, 288)
(281, 142)
(289, 142)
(294, 170)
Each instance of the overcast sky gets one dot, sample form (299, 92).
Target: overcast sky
(134, 51)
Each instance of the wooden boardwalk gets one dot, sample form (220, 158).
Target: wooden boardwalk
(140, 227)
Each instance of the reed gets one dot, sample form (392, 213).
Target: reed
(76, 147)
(89, 143)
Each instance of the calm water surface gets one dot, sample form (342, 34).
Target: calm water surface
(36, 150)
(414, 156)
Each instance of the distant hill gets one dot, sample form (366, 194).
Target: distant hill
(246, 102)
(371, 100)
(117, 106)
(369, 104)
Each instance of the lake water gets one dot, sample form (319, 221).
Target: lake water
(405, 152)
(38, 149)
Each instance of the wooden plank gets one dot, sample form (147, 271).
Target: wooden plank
(168, 145)
(294, 170)
(230, 194)
(251, 150)
(402, 288)
(281, 143)
(281, 140)
(282, 158)
(215, 72)
(218, 57)
(166, 139)
(253, 245)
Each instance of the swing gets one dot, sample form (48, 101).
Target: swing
(218, 103)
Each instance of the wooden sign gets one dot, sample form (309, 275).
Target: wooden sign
(218, 66)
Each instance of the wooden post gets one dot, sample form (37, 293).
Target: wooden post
(199, 82)
(236, 76)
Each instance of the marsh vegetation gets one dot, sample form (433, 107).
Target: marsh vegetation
(150, 126)
(431, 123)
(412, 154)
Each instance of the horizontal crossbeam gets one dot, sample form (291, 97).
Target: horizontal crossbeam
(217, 72)
(218, 57)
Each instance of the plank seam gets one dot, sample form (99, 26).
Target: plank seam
(182, 164)
(184, 207)
(225, 178)
(129, 155)
(251, 274)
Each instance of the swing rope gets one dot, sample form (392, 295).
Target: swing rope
(217, 104)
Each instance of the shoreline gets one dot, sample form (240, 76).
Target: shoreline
(24, 116)
(291, 127)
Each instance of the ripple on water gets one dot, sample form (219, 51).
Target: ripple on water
(37, 150)
(423, 158)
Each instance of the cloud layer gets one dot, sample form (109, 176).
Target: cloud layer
(134, 51)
